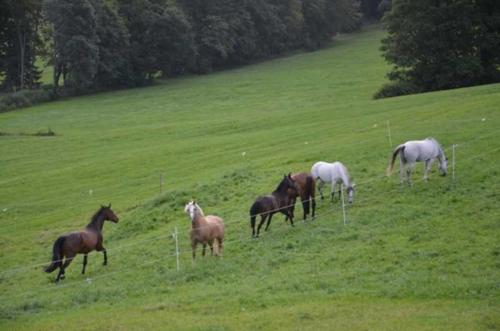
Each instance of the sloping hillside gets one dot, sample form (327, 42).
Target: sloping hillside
(420, 257)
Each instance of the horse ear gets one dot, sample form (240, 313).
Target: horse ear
(109, 206)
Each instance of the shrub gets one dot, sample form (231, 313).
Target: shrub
(25, 98)
(395, 89)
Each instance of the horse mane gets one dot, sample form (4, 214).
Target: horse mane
(436, 142)
(93, 219)
(281, 185)
(202, 214)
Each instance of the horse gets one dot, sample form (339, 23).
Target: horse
(205, 229)
(427, 150)
(306, 186)
(280, 200)
(81, 242)
(334, 173)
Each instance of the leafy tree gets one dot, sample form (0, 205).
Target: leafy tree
(439, 45)
(160, 38)
(113, 47)
(19, 20)
(76, 53)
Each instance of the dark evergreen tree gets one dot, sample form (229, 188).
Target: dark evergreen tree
(76, 53)
(160, 38)
(439, 45)
(113, 47)
(19, 20)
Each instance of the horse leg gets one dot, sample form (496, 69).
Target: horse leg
(409, 169)
(204, 249)
(211, 244)
(291, 218)
(320, 188)
(427, 167)
(313, 204)
(193, 247)
(262, 220)
(84, 263)
(333, 190)
(269, 221)
(221, 246)
(105, 256)
(62, 269)
(305, 207)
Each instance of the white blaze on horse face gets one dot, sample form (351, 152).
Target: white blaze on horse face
(190, 209)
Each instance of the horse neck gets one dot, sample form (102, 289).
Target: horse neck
(345, 178)
(96, 223)
(198, 220)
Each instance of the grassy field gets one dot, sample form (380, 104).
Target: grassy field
(425, 257)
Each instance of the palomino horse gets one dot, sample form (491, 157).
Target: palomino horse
(81, 242)
(205, 229)
(427, 150)
(281, 200)
(307, 190)
(334, 173)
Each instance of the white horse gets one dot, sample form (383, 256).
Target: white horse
(335, 173)
(427, 150)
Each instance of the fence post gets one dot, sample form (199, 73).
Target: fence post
(343, 205)
(176, 248)
(453, 162)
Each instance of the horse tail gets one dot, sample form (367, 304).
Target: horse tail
(399, 149)
(254, 210)
(56, 254)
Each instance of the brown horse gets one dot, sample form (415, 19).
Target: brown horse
(205, 229)
(281, 200)
(81, 242)
(306, 186)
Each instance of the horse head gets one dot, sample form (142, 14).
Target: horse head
(443, 162)
(109, 214)
(192, 209)
(350, 193)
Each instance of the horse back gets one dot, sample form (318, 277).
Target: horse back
(305, 183)
(217, 224)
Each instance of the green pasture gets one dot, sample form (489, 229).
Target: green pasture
(425, 257)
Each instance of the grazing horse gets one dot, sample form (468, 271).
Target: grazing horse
(81, 242)
(334, 173)
(205, 229)
(280, 200)
(306, 186)
(427, 150)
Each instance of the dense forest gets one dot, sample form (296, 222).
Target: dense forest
(100, 44)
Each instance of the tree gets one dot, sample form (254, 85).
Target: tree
(160, 38)
(437, 45)
(113, 47)
(19, 20)
(76, 52)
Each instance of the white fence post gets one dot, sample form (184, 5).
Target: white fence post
(343, 205)
(176, 248)
(453, 161)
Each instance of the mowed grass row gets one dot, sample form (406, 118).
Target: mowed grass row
(425, 257)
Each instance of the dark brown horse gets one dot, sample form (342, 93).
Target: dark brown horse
(306, 185)
(279, 201)
(81, 242)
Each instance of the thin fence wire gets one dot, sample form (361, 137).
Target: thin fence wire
(235, 215)
(362, 183)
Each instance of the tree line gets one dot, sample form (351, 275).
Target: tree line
(436, 45)
(100, 44)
